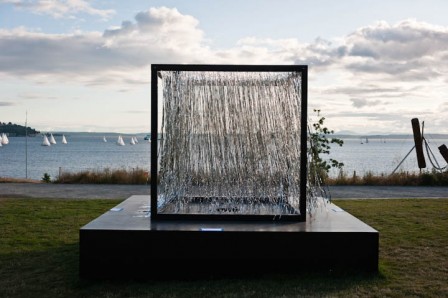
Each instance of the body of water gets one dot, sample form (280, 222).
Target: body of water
(83, 152)
(89, 152)
(383, 155)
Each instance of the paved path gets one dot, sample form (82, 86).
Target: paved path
(104, 191)
(71, 191)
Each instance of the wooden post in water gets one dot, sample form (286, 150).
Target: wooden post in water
(418, 140)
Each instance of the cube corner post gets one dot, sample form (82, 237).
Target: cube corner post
(299, 214)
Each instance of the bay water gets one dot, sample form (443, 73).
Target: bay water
(83, 152)
(89, 152)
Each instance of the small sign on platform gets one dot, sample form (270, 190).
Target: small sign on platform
(212, 229)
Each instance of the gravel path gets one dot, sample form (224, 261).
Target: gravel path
(105, 191)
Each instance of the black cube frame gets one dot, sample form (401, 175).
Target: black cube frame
(155, 68)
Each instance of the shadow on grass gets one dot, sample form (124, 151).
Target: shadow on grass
(53, 272)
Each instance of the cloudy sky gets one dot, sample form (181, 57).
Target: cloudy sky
(79, 65)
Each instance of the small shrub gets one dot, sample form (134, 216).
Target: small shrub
(106, 176)
(341, 179)
(368, 178)
(46, 178)
(428, 178)
(320, 145)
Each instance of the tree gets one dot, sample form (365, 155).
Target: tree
(320, 144)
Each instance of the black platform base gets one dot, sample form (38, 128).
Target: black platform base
(124, 242)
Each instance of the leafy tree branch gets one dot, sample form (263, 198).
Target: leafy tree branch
(320, 145)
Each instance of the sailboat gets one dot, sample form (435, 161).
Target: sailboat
(135, 140)
(132, 141)
(120, 141)
(64, 140)
(147, 138)
(45, 141)
(104, 139)
(52, 140)
(4, 139)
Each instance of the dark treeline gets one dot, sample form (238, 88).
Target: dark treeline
(15, 130)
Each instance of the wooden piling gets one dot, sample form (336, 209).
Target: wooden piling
(418, 143)
(444, 151)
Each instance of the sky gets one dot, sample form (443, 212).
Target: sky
(78, 65)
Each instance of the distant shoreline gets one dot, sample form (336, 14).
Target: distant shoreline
(387, 137)
(336, 135)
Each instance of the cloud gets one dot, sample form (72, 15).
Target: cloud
(60, 9)
(29, 53)
(34, 96)
(159, 33)
(391, 116)
(377, 90)
(6, 104)
(361, 102)
(121, 54)
(375, 61)
(409, 50)
(404, 41)
(320, 53)
(381, 65)
(365, 89)
(317, 54)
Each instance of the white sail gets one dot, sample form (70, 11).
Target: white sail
(104, 139)
(135, 140)
(64, 140)
(52, 140)
(45, 141)
(120, 141)
(4, 139)
(132, 141)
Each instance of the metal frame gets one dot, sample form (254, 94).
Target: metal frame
(155, 68)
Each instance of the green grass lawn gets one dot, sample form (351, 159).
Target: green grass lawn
(39, 256)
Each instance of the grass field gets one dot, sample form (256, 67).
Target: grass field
(39, 256)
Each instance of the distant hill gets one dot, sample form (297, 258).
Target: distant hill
(16, 130)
